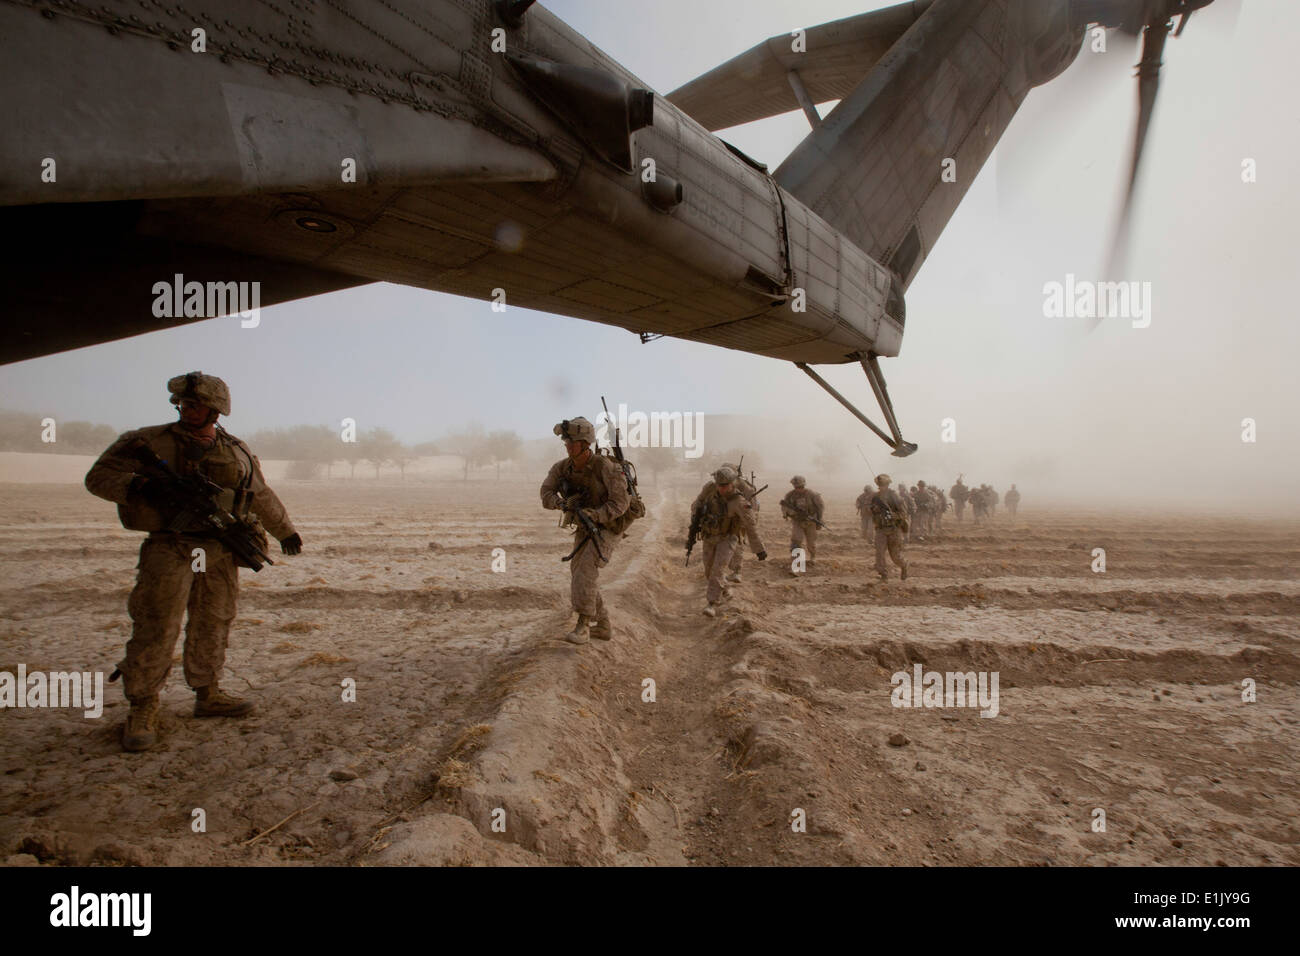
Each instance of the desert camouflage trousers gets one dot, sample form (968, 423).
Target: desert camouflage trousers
(891, 541)
(737, 556)
(584, 574)
(719, 552)
(803, 534)
(166, 586)
(868, 527)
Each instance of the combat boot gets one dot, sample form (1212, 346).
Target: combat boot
(141, 729)
(212, 701)
(711, 610)
(903, 575)
(601, 630)
(581, 631)
(734, 577)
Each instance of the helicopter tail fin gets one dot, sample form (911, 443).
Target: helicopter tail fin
(890, 164)
(824, 63)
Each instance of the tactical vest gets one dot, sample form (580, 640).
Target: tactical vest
(717, 518)
(802, 499)
(593, 492)
(227, 463)
(886, 517)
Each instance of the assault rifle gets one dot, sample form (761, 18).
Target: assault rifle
(805, 516)
(567, 492)
(629, 469)
(194, 499)
(697, 516)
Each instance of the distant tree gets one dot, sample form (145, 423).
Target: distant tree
(403, 457)
(503, 446)
(302, 470)
(22, 431)
(426, 449)
(84, 438)
(655, 460)
(320, 444)
(830, 456)
(472, 447)
(353, 454)
(379, 446)
(18, 430)
(309, 447)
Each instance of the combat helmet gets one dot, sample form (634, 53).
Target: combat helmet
(883, 480)
(205, 389)
(725, 475)
(798, 481)
(576, 429)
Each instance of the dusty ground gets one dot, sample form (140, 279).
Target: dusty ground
(1119, 691)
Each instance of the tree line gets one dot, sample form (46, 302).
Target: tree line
(315, 450)
(318, 448)
(24, 431)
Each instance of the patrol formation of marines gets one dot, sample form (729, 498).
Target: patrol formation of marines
(189, 562)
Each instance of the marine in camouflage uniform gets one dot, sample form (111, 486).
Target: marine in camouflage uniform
(167, 585)
(960, 495)
(909, 504)
(1013, 500)
(863, 504)
(889, 512)
(924, 509)
(726, 523)
(595, 485)
(941, 506)
(802, 500)
(751, 495)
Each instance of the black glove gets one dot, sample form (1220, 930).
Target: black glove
(291, 544)
(147, 488)
(762, 555)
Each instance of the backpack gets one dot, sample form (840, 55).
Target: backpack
(636, 507)
(889, 520)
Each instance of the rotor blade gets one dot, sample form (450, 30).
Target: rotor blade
(1052, 111)
(1153, 45)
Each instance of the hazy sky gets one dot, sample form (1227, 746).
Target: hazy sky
(1123, 411)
